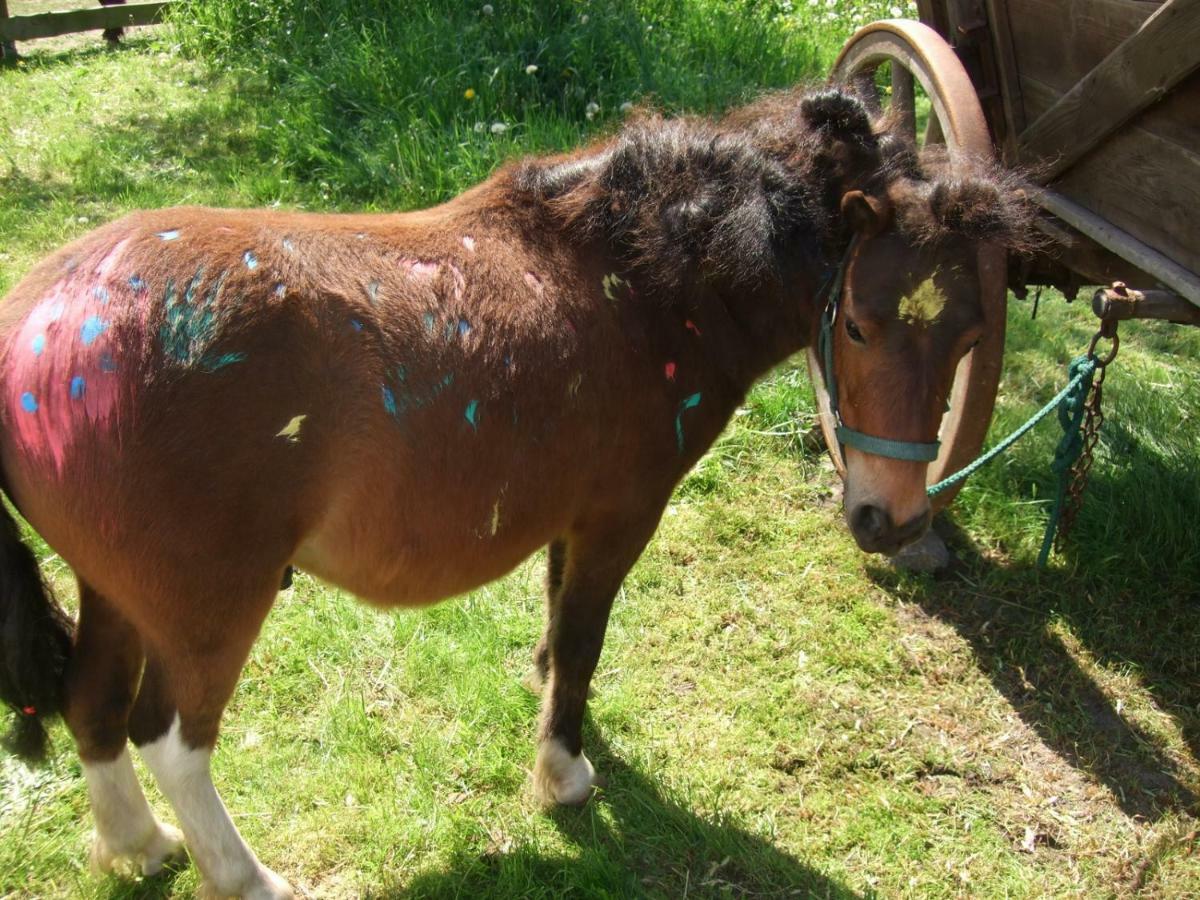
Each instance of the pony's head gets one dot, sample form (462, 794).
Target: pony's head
(909, 309)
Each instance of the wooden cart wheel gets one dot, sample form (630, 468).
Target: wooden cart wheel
(914, 50)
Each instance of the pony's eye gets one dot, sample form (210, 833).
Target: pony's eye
(855, 334)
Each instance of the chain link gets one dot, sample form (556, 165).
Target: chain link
(1093, 420)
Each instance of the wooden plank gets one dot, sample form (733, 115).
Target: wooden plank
(1120, 242)
(1059, 41)
(53, 24)
(1135, 75)
(1146, 186)
(1010, 83)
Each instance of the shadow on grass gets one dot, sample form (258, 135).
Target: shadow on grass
(1129, 604)
(650, 845)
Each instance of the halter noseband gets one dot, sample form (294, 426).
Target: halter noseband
(906, 450)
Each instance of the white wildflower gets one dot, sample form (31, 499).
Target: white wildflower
(583, 20)
(499, 128)
(626, 108)
(591, 109)
(480, 127)
(530, 69)
(896, 12)
(487, 9)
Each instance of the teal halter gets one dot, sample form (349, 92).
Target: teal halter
(906, 450)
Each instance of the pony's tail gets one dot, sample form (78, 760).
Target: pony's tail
(35, 644)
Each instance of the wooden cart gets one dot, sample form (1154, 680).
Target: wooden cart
(1098, 103)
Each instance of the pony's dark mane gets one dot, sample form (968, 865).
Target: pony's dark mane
(741, 199)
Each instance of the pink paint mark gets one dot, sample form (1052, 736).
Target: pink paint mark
(468, 242)
(420, 268)
(534, 282)
(71, 387)
(571, 326)
(460, 283)
(669, 369)
(691, 326)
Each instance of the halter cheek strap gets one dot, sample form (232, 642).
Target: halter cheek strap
(911, 451)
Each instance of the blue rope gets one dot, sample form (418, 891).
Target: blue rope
(1082, 369)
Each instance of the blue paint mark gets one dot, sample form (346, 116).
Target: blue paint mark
(29, 402)
(169, 235)
(211, 364)
(39, 344)
(280, 289)
(135, 282)
(507, 361)
(389, 399)
(687, 404)
(91, 329)
(429, 322)
(107, 364)
(373, 291)
(77, 387)
(464, 327)
(472, 414)
(356, 325)
(288, 245)
(100, 292)
(250, 259)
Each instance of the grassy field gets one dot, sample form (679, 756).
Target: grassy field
(777, 714)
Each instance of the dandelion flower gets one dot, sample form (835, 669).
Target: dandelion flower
(487, 9)
(530, 69)
(499, 128)
(469, 93)
(591, 109)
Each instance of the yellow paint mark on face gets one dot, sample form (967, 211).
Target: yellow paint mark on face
(291, 430)
(924, 305)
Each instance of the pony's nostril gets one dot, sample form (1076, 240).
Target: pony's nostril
(870, 522)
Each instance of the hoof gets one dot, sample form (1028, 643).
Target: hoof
(163, 847)
(559, 777)
(265, 885)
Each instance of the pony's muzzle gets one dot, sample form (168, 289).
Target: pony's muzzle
(876, 532)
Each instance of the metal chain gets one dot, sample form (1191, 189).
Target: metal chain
(1093, 420)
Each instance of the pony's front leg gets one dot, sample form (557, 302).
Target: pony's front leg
(591, 568)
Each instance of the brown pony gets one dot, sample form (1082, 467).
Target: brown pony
(409, 405)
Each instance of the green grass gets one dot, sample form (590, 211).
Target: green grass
(776, 713)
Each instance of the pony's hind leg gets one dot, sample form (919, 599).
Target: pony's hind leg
(556, 556)
(590, 568)
(102, 677)
(190, 675)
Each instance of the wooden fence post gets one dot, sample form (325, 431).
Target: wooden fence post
(8, 50)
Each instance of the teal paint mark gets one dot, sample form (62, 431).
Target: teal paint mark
(169, 235)
(39, 344)
(29, 402)
(211, 364)
(449, 331)
(77, 387)
(464, 327)
(100, 292)
(507, 361)
(135, 282)
(430, 322)
(288, 245)
(687, 404)
(189, 325)
(91, 329)
(472, 414)
(389, 399)
(401, 373)
(250, 259)
(107, 364)
(356, 325)
(373, 291)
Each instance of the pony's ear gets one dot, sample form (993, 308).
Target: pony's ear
(838, 114)
(866, 215)
(974, 209)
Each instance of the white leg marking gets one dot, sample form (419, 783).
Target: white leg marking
(559, 777)
(127, 834)
(229, 867)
